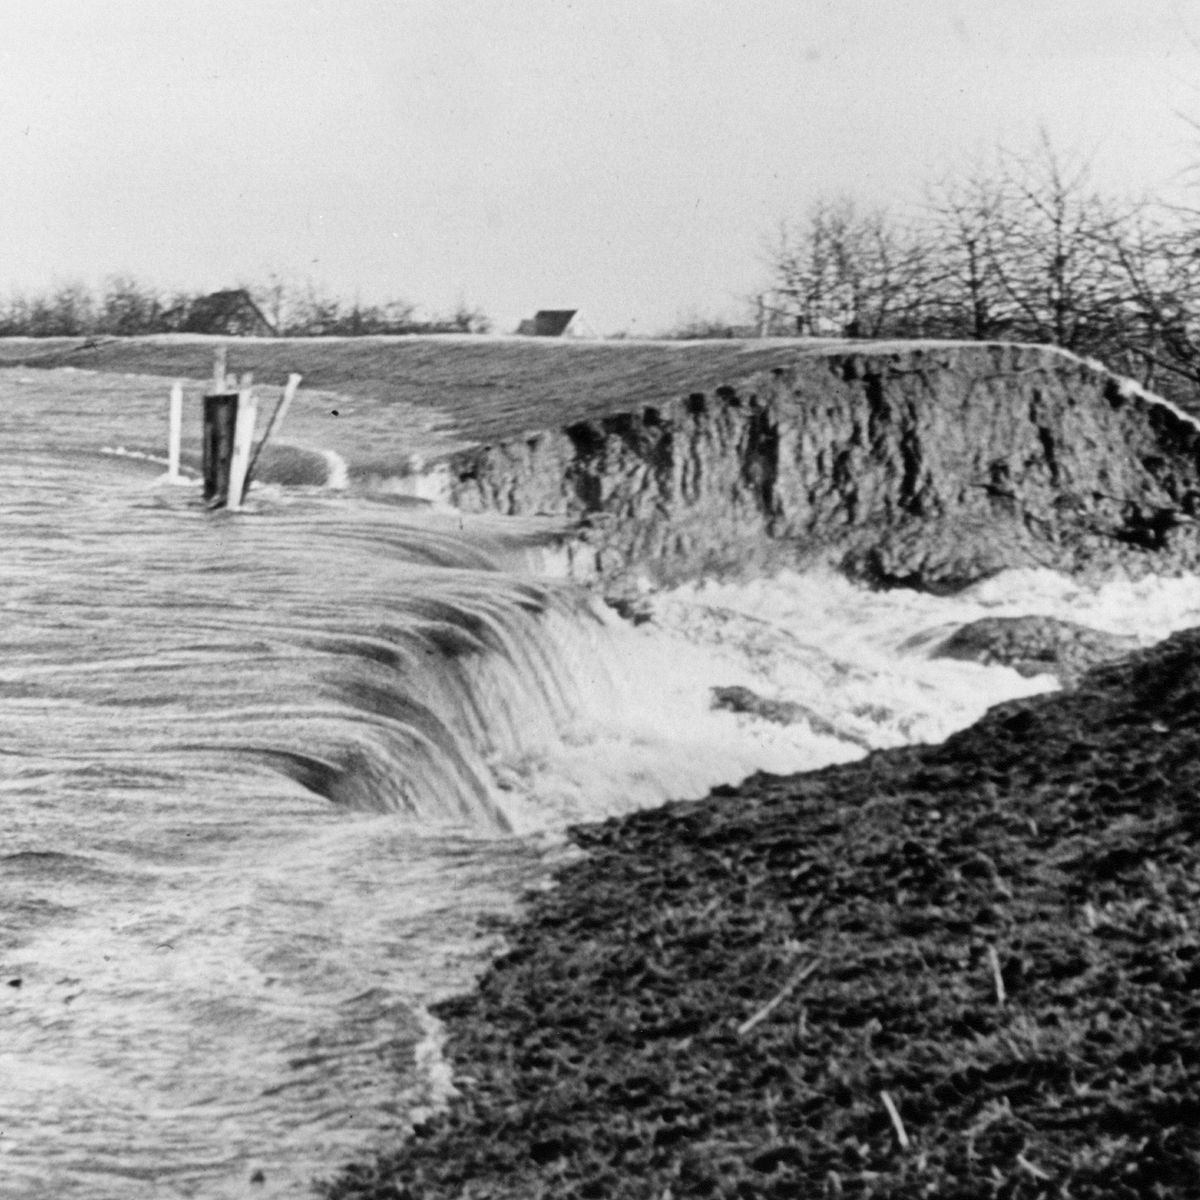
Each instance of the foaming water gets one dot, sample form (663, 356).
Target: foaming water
(263, 774)
(865, 660)
(250, 823)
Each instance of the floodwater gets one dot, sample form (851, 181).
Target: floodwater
(268, 778)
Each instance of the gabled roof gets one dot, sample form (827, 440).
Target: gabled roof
(553, 322)
(232, 311)
(556, 322)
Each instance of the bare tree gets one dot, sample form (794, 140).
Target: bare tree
(71, 310)
(966, 296)
(1051, 247)
(1159, 257)
(1024, 248)
(128, 308)
(847, 271)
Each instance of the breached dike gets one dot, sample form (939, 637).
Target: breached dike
(926, 464)
(929, 465)
(379, 659)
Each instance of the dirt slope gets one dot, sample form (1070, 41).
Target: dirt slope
(920, 465)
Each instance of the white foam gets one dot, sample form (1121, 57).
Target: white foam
(338, 477)
(180, 480)
(859, 660)
(432, 1067)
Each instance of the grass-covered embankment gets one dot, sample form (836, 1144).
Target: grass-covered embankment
(998, 937)
(487, 387)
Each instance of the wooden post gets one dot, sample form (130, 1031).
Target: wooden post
(243, 444)
(289, 394)
(219, 365)
(174, 432)
(220, 418)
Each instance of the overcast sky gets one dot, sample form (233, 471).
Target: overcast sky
(625, 156)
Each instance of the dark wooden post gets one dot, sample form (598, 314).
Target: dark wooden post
(229, 415)
(220, 421)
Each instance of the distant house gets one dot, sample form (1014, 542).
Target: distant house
(231, 313)
(557, 322)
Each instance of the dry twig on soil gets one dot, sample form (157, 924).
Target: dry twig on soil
(797, 978)
(997, 977)
(898, 1125)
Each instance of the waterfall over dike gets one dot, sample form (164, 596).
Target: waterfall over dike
(927, 465)
(408, 618)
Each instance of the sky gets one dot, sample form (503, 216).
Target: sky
(627, 157)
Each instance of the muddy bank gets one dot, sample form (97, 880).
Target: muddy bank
(1000, 935)
(1037, 646)
(927, 465)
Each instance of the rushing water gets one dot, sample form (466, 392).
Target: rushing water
(263, 774)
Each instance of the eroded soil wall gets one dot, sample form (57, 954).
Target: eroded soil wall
(929, 465)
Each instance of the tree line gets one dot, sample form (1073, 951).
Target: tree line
(1024, 249)
(126, 307)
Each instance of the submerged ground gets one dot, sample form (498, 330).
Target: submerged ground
(958, 971)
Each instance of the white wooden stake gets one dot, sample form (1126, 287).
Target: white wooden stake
(285, 401)
(243, 441)
(174, 432)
